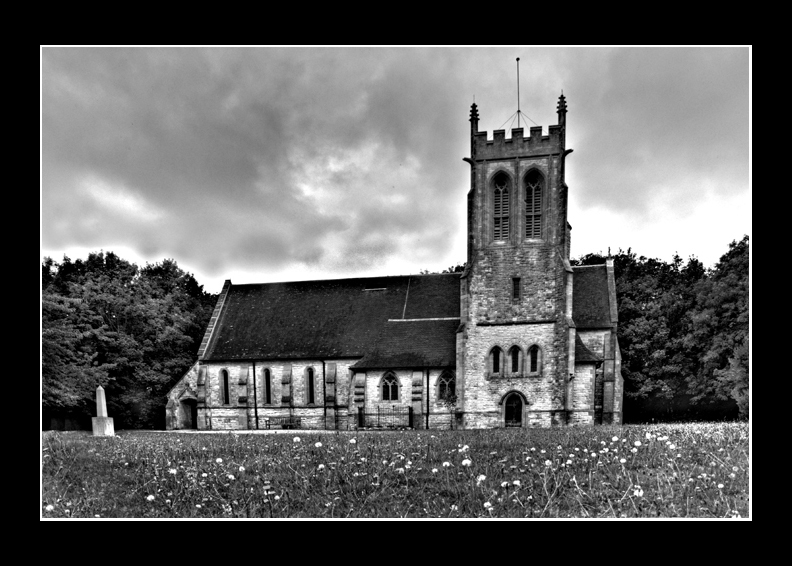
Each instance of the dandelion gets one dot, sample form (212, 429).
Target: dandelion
(637, 443)
(533, 449)
(352, 441)
(634, 450)
(720, 486)
(320, 467)
(296, 439)
(203, 475)
(672, 447)
(318, 445)
(615, 438)
(219, 460)
(504, 484)
(548, 463)
(516, 483)
(568, 462)
(231, 477)
(150, 498)
(434, 470)
(172, 471)
(638, 492)
(732, 476)
(166, 501)
(648, 436)
(466, 462)
(198, 506)
(276, 498)
(622, 461)
(399, 470)
(464, 449)
(454, 508)
(49, 508)
(487, 505)
(445, 464)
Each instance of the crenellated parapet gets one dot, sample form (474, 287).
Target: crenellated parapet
(501, 147)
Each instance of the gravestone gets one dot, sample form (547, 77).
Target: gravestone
(102, 424)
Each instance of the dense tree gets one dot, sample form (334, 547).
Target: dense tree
(683, 334)
(135, 331)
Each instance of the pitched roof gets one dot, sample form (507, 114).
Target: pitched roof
(591, 297)
(413, 343)
(338, 318)
(582, 353)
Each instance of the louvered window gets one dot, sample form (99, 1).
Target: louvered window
(534, 187)
(501, 207)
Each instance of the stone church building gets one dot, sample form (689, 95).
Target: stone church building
(519, 339)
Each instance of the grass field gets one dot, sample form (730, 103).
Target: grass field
(689, 470)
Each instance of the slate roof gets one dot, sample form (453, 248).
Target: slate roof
(591, 306)
(341, 318)
(583, 354)
(382, 320)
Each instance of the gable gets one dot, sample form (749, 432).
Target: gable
(328, 318)
(593, 305)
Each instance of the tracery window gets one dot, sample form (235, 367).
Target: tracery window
(390, 387)
(446, 387)
(534, 189)
(501, 207)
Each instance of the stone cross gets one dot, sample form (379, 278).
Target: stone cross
(102, 424)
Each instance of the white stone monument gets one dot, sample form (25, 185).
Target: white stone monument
(102, 424)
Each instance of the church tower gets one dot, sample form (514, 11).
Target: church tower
(516, 342)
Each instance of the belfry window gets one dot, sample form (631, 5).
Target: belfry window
(496, 361)
(501, 207)
(390, 387)
(534, 188)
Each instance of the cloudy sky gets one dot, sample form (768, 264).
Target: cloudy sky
(280, 164)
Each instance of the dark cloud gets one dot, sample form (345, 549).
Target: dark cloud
(341, 160)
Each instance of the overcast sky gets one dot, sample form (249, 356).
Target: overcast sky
(281, 164)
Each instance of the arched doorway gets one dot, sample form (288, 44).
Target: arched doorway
(513, 410)
(189, 414)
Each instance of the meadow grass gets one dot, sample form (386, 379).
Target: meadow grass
(667, 470)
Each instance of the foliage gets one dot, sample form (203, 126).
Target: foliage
(681, 332)
(107, 322)
(694, 470)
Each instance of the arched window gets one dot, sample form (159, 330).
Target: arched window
(496, 361)
(515, 359)
(390, 387)
(534, 360)
(446, 387)
(534, 189)
(226, 390)
(310, 390)
(267, 387)
(500, 213)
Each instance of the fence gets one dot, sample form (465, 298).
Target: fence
(386, 417)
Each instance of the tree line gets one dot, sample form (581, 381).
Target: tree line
(134, 331)
(683, 333)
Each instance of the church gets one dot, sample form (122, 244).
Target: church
(520, 338)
